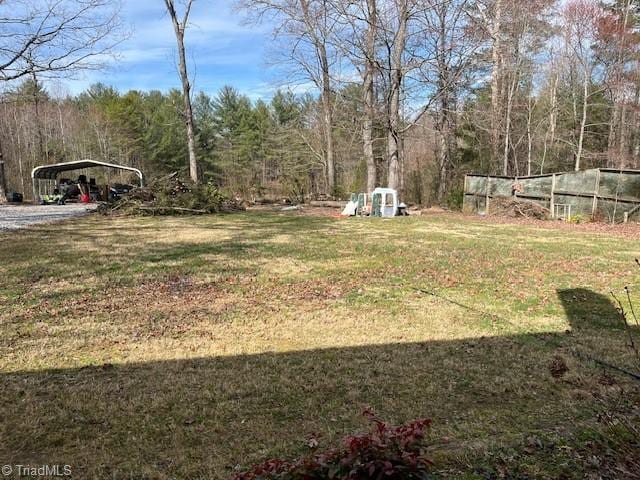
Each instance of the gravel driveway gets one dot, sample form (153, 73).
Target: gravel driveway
(13, 217)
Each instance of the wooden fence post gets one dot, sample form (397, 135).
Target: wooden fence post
(486, 198)
(596, 192)
(552, 196)
(464, 194)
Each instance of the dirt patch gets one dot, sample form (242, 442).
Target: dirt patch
(298, 210)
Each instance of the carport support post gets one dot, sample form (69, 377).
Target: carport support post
(36, 196)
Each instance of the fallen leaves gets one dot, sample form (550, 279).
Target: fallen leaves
(558, 367)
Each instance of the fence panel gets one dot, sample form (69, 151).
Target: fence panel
(611, 195)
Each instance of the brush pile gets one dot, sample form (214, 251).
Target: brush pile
(171, 196)
(517, 208)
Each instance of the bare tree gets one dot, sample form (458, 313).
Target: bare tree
(553, 75)
(358, 41)
(618, 50)
(304, 29)
(369, 93)
(179, 26)
(396, 24)
(496, 79)
(449, 51)
(580, 25)
(320, 39)
(490, 19)
(3, 180)
(52, 39)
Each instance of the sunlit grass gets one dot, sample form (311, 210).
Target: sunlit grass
(212, 342)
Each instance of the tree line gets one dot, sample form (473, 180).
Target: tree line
(251, 148)
(406, 93)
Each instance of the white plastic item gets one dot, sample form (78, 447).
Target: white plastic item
(388, 201)
(350, 209)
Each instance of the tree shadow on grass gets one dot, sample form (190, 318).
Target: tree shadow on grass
(201, 417)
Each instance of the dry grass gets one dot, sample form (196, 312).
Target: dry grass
(184, 348)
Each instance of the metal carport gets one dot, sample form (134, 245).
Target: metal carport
(50, 172)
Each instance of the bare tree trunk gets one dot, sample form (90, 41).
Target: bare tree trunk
(369, 95)
(395, 85)
(444, 119)
(507, 127)
(442, 159)
(553, 113)
(37, 120)
(445, 138)
(613, 131)
(496, 74)
(327, 114)
(617, 138)
(544, 152)
(636, 127)
(179, 28)
(16, 140)
(3, 180)
(393, 154)
(583, 121)
(622, 145)
(529, 133)
(320, 45)
(367, 136)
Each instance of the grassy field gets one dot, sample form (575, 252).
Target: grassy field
(190, 347)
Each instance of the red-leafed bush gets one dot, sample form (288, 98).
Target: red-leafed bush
(384, 452)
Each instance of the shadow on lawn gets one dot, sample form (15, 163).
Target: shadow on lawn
(198, 418)
(587, 309)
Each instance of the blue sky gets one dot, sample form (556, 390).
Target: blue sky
(220, 50)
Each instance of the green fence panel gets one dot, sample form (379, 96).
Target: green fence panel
(617, 192)
(577, 182)
(536, 186)
(616, 184)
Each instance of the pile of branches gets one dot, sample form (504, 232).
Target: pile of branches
(517, 208)
(171, 196)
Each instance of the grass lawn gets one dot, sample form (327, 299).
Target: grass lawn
(189, 347)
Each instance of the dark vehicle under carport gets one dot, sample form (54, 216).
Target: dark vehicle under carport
(45, 178)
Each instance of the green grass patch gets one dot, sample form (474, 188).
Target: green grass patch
(189, 347)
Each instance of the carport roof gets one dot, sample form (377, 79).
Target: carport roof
(51, 171)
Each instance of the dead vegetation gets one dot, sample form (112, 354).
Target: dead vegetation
(518, 208)
(558, 367)
(169, 195)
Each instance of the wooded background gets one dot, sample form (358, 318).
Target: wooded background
(406, 93)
